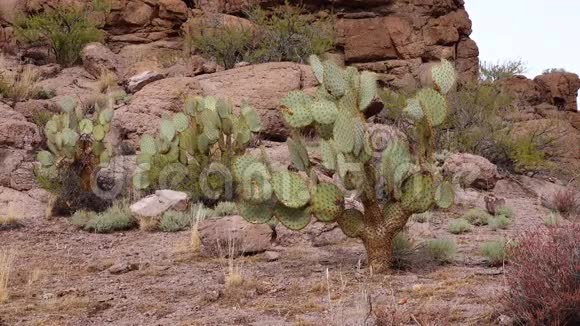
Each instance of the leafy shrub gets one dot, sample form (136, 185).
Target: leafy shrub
(66, 29)
(225, 208)
(173, 221)
(402, 249)
(494, 251)
(505, 211)
(77, 149)
(491, 72)
(116, 218)
(566, 202)
(459, 226)
(543, 277)
(442, 250)
(477, 216)
(499, 222)
(282, 34)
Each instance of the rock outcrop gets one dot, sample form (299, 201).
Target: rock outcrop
(559, 89)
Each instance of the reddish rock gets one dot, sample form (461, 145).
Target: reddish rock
(560, 89)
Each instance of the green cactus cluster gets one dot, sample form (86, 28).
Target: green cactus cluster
(392, 183)
(76, 149)
(195, 145)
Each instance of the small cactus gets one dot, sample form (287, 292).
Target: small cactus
(185, 153)
(399, 181)
(76, 150)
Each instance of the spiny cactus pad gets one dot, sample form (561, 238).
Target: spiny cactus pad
(317, 68)
(294, 219)
(414, 110)
(334, 79)
(298, 154)
(444, 195)
(444, 76)
(368, 89)
(327, 202)
(290, 189)
(324, 112)
(343, 133)
(256, 186)
(256, 214)
(417, 194)
(351, 223)
(434, 105)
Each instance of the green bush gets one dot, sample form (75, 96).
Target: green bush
(499, 222)
(66, 29)
(477, 216)
(459, 226)
(283, 34)
(116, 218)
(173, 221)
(492, 72)
(505, 211)
(225, 208)
(494, 251)
(441, 250)
(402, 249)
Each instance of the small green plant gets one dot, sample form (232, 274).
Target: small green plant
(459, 226)
(403, 248)
(505, 211)
(401, 180)
(172, 221)
(422, 218)
(66, 29)
(492, 72)
(77, 149)
(197, 149)
(499, 222)
(115, 218)
(477, 216)
(441, 250)
(225, 208)
(494, 251)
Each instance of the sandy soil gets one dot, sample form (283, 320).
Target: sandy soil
(63, 276)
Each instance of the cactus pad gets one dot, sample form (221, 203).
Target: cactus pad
(240, 164)
(333, 79)
(328, 154)
(298, 154)
(367, 90)
(251, 117)
(327, 202)
(256, 214)
(167, 130)
(317, 68)
(413, 110)
(324, 112)
(255, 184)
(351, 223)
(86, 126)
(294, 219)
(180, 121)
(444, 195)
(290, 189)
(434, 105)
(296, 110)
(140, 181)
(148, 145)
(417, 194)
(106, 116)
(343, 133)
(45, 158)
(67, 105)
(444, 76)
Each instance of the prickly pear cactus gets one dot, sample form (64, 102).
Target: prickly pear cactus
(197, 150)
(76, 150)
(392, 182)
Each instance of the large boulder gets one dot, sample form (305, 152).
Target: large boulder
(98, 58)
(16, 132)
(471, 171)
(560, 89)
(262, 86)
(161, 201)
(20, 204)
(233, 236)
(16, 169)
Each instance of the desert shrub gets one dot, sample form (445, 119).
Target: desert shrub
(526, 152)
(172, 221)
(116, 218)
(543, 277)
(402, 250)
(477, 216)
(22, 85)
(66, 29)
(492, 72)
(225, 208)
(459, 226)
(499, 222)
(505, 211)
(441, 250)
(422, 218)
(77, 149)
(9, 221)
(494, 252)
(282, 34)
(566, 202)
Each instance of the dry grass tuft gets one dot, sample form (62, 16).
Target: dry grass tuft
(107, 81)
(6, 264)
(567, 202)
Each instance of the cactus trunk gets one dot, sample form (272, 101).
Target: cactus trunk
(378, 248)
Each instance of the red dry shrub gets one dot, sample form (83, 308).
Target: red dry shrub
(567, 202)
(543, 277)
